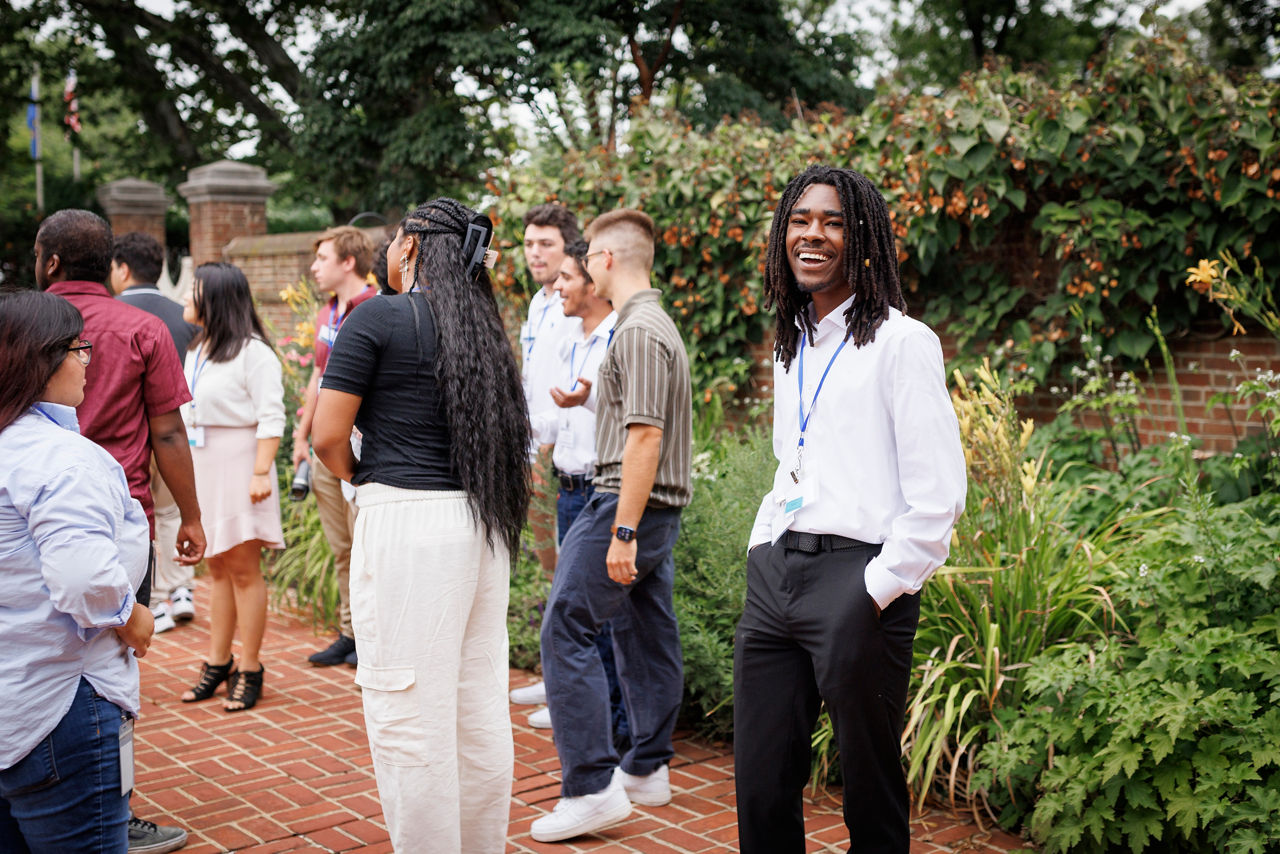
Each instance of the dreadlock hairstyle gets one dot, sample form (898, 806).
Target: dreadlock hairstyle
(870, 261)
(577, 250)
(482, 397)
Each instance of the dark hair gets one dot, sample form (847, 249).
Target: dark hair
(870, 261)
(577, 250)
(480, 389)
(379, 268)
(224, 305)
(142, 253)
(557, 215)
(81, 240)
(36, 328)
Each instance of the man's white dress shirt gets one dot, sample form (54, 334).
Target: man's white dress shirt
(573, 430)
(540, 337)
(882, 457)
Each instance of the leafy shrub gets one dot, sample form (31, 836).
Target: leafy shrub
(1168, 738)
(302, 575)
(528, 598)
(1022, 578)
(711, 580)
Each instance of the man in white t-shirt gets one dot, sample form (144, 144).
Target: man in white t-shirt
(548, 229)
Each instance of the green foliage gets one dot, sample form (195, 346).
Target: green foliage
(941, 39)
(1163, 739)
(710, 558)
(529, 590)
(1027, 214)
(1022, 578)
(302, 576)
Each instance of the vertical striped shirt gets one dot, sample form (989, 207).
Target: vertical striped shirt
(644, 379)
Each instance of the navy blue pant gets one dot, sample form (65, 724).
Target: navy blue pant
(569, 503)
(809, 633)
(64, 795)
(646, 640)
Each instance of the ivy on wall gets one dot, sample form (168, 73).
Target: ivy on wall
(1025, 213)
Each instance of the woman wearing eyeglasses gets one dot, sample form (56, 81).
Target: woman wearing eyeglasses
(73, 548)
(442, 484)
(234, 423)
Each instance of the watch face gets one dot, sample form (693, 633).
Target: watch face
(624, 534)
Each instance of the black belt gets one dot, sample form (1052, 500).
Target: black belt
(573, 482)
(814, 543)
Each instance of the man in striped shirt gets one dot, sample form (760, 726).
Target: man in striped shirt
(616, 563)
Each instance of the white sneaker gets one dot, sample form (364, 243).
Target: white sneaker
(541, 719)
(164, 620)
(182, 606)
(652, 790)
(587, 814)
(530, 695)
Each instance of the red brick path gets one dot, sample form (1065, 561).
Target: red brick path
(294, 774)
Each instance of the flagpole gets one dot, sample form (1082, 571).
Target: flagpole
(36, 151)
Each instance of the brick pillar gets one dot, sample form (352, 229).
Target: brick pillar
(226, 200)
(132, 204)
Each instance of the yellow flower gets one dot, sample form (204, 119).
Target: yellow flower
(1202, 276)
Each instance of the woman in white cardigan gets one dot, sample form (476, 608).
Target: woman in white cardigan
(234, 424)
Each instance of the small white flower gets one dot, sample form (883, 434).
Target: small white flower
(1085, 339)
(1198, 558)
(1193, 366)
(1235, 355)
(1142, 571)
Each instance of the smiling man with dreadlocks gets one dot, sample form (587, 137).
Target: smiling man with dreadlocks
(442, 484)
(870, 482)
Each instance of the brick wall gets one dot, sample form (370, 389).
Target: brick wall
(215, 223)
(151, 225)
(1202, 369)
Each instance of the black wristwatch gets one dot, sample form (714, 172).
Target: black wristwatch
(624, 534)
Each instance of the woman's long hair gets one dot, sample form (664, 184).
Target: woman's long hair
(481, 393)
(224, 305)
(36, 328)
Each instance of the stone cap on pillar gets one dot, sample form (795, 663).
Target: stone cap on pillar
(227, 181)
(133, 197)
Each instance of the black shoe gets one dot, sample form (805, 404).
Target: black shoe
(352, 660)
(336, 653)
(147, 837)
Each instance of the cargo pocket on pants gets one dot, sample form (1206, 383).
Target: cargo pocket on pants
(393, 714)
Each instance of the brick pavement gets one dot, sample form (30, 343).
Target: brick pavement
(294, 774)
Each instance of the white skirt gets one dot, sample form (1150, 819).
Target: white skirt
(224, 467)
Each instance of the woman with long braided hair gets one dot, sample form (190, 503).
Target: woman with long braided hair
(442, 485)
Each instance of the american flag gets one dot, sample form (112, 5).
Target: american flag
(72, 118)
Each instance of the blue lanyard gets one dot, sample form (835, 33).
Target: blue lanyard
(804, 419)
(573, 354)
(534, 337)
(37, 408)
(196, 370)
(334, 327)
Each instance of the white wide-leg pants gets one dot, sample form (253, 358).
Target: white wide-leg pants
(429, 609)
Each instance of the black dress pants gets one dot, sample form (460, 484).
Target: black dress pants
(809, 632)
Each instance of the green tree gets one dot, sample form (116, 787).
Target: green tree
(936, 41)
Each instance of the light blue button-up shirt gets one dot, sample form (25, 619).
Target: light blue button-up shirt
(73, 547)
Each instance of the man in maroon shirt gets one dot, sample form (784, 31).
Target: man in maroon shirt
(134, 387)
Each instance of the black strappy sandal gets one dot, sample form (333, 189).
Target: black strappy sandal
(245, 687)
(211, 676)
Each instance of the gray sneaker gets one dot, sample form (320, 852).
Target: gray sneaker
(147, 837)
